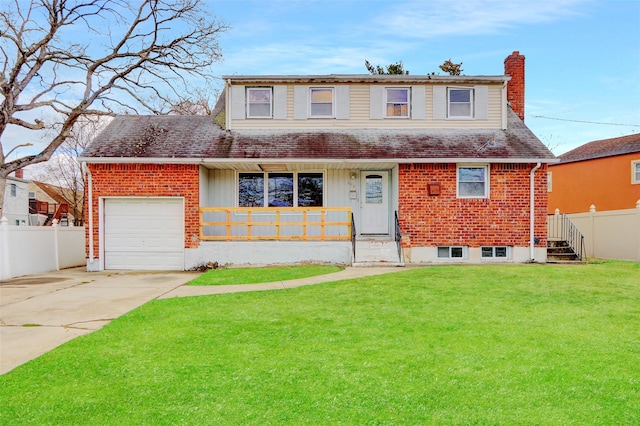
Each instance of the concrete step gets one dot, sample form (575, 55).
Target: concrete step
(377, 253)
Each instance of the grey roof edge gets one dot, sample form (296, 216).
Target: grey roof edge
(349, 78)
(134, 160)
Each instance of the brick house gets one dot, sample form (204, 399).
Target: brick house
(603, 173)
(324, 168)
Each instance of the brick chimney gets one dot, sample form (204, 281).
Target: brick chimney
(514, 66)
(19, 174)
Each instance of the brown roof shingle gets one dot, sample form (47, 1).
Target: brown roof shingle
(603, 148)
(197, 137)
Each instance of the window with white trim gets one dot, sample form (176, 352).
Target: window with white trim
(259, 102)
(280, 189)
(473, 181)
(14, 190)
(495, 252)
(397, 100)
(459, 102)
(635, 172)
(549, 181)
(321, 102)
(452, 252)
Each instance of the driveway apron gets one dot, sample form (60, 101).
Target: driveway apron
(40, 312)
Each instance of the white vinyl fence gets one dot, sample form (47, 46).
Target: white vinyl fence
(26, 250)
(612, 234)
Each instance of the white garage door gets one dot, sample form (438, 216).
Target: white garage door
(144, 233)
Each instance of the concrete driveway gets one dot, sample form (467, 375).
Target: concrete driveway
(41, 312)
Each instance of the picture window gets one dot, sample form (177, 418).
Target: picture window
(280, 189)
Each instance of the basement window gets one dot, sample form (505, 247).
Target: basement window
(496, 252)
(452, 252)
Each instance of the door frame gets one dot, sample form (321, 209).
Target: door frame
(387, 176)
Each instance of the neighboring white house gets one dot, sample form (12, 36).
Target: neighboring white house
(16, 201)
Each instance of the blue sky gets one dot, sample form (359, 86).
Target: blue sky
(582, 56)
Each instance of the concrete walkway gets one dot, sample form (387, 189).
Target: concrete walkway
(40, 312)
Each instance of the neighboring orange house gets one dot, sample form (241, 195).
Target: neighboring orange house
(603, 173)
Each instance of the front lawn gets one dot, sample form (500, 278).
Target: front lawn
(262, 275)
(525, 344)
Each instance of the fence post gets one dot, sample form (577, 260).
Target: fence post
(638, 230)
(592, 228)
(56, 250)
(5, 273)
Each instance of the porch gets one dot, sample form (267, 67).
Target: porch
(272, 235)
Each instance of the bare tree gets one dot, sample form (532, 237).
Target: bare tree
(72, 58)
(63, 169)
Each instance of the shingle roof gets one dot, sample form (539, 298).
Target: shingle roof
(197, 137)
(603, 148)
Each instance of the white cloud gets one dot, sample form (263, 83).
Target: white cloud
(420, 19)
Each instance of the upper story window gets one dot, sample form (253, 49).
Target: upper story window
(635, 172)
(460, 102)
(14, 190)
(259, 102)
(397, 101)
(473, 181)
(321, 102)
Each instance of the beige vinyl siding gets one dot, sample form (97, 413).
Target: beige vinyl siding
(359, 96)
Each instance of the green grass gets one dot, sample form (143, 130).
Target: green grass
(526, 344)
(261, 275)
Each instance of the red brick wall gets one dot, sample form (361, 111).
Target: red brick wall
(502, 219)
(514, 66)
(161, 180)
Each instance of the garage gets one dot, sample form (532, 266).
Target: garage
(144, 233)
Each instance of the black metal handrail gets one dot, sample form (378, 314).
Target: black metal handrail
(353, 236)
(563, 229)
(398, 237)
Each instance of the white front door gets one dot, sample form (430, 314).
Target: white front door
(374, 203)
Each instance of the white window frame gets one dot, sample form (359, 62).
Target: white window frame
(14, 190)
(471, 103)
(494, 250)
(635, 172)
(386, 102)
(464, 252)
(333, 102)
(295, 175)
(248, 109)
(549, 181)
(487, 180)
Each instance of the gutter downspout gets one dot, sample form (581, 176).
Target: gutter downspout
(532, 211)
(90, 208)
